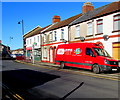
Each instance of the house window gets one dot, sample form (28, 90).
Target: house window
(62, 33)
(90, 29)
(45, 53)
(100, 26)
(55, 36)
(116, 26)
(38, 38)
(34, 39)
(27, 42)
(30, 41)
(44, 38)
(77, 33)
(51, 36)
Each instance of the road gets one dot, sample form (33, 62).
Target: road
(41, 82)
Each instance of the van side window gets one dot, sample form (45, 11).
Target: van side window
(89, 52)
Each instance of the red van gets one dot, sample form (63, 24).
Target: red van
(85, 55)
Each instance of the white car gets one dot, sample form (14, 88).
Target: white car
(13, 55)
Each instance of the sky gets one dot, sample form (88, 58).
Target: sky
(33, 14)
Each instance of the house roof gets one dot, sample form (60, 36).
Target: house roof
(20, 49)
(101, 11)
(34, 31)
(63, 23)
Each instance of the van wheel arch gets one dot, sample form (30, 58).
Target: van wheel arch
(96, 68)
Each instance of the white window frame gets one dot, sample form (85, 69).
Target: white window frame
(34, 39)
(45, 52)
(62, 33)
(38, 38)
(77, 33)
(27, 42)
(90, 28)
(51, 36)
(116, 22)
(55, 36)
(30, 41)
(44, 37)
(99, 26)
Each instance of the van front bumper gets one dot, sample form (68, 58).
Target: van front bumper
(109, 68)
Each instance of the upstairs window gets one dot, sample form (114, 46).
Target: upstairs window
(62, 33)
(34, 39)
(30, 41)
(55, 36)
(44, 38)
(100, 26)
(27, 42)
(90, 29)
(38, 38)
(51, 36)
(77, 33)
(116, 22)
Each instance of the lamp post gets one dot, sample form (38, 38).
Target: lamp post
(33, 57)
(22, 22)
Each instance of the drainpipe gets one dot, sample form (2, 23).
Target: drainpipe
(69, 36)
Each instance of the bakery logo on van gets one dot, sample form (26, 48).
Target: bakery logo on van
(77, 51)
(60, 51)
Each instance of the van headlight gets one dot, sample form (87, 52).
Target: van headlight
(106, 61)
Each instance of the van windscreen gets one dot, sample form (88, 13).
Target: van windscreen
(101, 52)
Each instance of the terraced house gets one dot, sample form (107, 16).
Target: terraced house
(98, 25)
(55, 35)
(32, 42)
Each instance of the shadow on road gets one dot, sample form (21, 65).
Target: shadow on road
(25, 79)
(21, 80)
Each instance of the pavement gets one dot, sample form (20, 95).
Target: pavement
(38, 63)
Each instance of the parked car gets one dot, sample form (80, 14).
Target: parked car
(17, 56)
(13, 56)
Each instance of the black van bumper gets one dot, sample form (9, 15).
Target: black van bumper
(109, 68)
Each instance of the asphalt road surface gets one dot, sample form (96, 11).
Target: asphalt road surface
(37, 83)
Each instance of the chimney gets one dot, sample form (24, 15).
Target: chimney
(87, 7)
(55, 19)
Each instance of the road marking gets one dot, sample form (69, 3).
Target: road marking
(78, 72)
(18, 97)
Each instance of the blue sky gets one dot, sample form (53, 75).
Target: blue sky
(34, 14)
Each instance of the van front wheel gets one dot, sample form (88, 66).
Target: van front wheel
(96, 69)
(62, 65)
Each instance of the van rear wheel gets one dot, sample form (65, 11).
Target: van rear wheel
(96, 69)
(62, 65)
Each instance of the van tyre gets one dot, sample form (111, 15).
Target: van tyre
(62, 65)
(96, 69)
